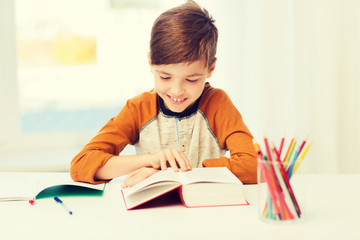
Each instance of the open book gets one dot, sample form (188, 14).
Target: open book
(200, 187)
(32, 186)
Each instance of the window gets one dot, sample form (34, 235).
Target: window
(66, 67)
(79, 61)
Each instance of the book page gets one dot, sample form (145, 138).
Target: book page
(159, 177)
(211, 174)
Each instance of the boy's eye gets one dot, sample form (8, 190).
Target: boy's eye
(192, 80)
(165, 78)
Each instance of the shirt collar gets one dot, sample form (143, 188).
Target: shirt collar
(187, 112)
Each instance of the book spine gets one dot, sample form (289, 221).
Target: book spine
(181, 196)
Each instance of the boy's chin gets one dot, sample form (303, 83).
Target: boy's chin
(177, 110)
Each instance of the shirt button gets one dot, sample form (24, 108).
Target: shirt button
(182, 148)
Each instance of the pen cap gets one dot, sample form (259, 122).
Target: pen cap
(280, 198)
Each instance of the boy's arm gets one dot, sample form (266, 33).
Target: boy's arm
(109, 142)
(119, 165)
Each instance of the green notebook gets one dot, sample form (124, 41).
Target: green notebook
(70, 190)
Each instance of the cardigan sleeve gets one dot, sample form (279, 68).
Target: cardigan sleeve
(227, 124)
(109, 141)
(242, 164)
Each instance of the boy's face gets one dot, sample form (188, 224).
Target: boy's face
(180, 84)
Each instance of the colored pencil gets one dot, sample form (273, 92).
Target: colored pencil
(287, 182)
(267, 148)
(257, 147)
(288, 150)
(301, 157)
(302, 146)
(281, 202)
(270, 188)
(290, 153)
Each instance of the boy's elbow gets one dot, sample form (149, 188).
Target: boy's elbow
(74, 170)
(85, 165)
(77, 168)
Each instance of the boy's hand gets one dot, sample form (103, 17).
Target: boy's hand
(171, 157)
(137, 176)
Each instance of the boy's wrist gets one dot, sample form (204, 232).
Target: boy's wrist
(150, 161)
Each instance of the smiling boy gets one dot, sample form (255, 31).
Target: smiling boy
(183, 122)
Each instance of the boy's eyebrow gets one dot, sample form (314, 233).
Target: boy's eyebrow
(162, 72)
(195, 75)
(191, 75)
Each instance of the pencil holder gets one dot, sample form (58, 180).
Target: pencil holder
(278, 192)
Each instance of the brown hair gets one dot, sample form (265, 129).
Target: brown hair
(183, 34)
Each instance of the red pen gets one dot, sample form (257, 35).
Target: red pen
(32, 201)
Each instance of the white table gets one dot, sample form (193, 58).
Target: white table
(331, 212)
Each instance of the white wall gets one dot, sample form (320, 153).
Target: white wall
(292, 67)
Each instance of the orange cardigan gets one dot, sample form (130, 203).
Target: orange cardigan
(204, 133)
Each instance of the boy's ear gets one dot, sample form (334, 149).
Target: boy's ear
(149, 61)
(212, 68)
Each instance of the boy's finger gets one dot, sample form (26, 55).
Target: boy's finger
(181, 160)
(171, 159)
(126, 182)
(187, 162)
(163, 162)
(129, 177)
(135, 179)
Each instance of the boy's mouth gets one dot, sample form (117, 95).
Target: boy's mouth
(176, 101)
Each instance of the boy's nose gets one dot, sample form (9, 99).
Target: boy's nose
(178, 89)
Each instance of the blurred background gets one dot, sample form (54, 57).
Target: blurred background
(292, 68)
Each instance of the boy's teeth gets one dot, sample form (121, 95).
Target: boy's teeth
(177, 99)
